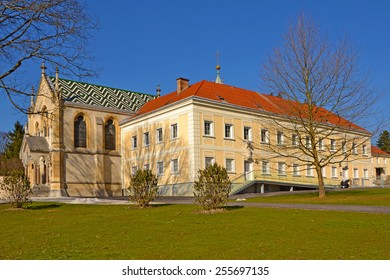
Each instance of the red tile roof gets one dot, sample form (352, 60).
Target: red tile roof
(377, 151)
(226, 94)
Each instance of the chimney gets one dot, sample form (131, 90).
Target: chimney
(182, 84)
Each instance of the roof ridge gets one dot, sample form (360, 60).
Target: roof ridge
(90, 84)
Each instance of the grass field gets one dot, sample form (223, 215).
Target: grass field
(67, 231)
(374, 197)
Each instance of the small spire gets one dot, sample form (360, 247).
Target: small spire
(43, 67)
(57, 87)
(158, 90)
(32, 96)
(218, 68)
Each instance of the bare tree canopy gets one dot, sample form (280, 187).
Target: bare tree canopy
(56, 31)
(326, 93)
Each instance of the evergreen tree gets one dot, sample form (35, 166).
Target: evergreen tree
(384, 141)
(15, 138)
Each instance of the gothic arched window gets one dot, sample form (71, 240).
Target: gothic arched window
(109, 135)
(80, 132)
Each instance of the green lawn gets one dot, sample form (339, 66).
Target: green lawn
(65, 231)
(375, 197)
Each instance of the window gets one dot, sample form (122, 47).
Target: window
(134, 142)
(365, 173)
(229, 165)
(308, 142)
(146, 139)
(344, 147)
(364, 150)
(208, 161)
(174, 131)
(109, 135)
(281, 168)
(264, 136)
(309, 170)
(247, 133)
(80, 132)
(354, 149)
(323, 172)
(160, 168)
(332, 145)
(296, 171)
(355, 173)
(321, 144)
(294, 140)
(334, 172)
(265, 167)
(228, 131)
(280, 138)
(160, 136)
(174, 166)
(208, 128)
(134, 170)
(146, 166)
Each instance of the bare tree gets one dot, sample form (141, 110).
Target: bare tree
(56, 31)
(325, 94)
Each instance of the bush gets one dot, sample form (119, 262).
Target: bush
(16, 189)
(143, 188)
(213, 187)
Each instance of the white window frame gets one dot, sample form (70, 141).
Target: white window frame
(247, 133)
(228, 132)
(159, 135)
(334, 172)
(309, 170)
(146, 139)
(174, 131)
(281, 168)
(208, 161)
(230, 166)
(365, 173)
(279, 138)
(321, 144)
(175, 166)
(134, 142)
(332, 145)
(265, 167)
(355, 173)
(160, 168)
(264, 136)
(323, 171)
(296, 171)
(364, 150)
(134, 169)
(146, 166)
(294, 140)
(308, 142)
(354, 149)
(210, 126)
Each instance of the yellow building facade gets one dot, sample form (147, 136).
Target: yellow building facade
(184, 131)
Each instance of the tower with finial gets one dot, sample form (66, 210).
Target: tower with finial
(218, 68)
(158, 91)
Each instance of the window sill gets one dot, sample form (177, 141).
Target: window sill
(209, 136)
(229, 139)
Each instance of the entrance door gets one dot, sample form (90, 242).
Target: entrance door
(248, 170)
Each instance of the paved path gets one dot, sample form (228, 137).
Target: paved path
(190, 200)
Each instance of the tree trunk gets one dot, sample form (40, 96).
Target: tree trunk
(321, 185)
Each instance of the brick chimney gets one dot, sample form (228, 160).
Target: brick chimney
(182, 84)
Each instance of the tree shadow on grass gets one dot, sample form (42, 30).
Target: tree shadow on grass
(43, 206)
(232, 208)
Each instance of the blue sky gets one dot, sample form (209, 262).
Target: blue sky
(144, 43)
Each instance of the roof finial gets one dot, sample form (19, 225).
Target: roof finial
(158, 90)
(57, 87)
(32, 96)
(218, 67)
(43, 67)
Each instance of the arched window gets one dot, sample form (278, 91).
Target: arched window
(80, 132)
(109, 135)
